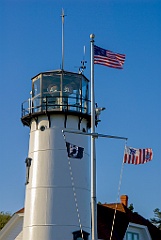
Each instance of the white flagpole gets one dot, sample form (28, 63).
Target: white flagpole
(93, 153)
(62, 15)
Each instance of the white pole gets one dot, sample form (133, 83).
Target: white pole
(93, 154)
(62, 15)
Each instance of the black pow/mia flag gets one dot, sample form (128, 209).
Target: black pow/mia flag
(74, 151)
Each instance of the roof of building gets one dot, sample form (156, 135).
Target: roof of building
(105, 220)
(123, 216)
(20, 211)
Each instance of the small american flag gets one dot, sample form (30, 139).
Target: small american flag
(137, 156)
(108, 58)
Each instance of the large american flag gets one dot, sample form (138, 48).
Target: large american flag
(108, 58)
(137, 156)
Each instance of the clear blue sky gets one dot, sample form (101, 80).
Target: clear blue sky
(30, 42)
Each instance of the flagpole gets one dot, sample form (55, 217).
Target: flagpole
(95, 135)
(62, 15)
(93, 153)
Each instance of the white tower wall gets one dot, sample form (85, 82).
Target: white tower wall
(51, 194)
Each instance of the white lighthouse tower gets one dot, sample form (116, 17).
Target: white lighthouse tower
(57, 202)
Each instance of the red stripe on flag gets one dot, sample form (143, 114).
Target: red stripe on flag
(151, 154)
(129, 158)
(140, 154)
(144, 154)
(137, 160)
(125, 157)
(133, 159)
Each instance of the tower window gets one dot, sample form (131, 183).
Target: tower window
(78, 235)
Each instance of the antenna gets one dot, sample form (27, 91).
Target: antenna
(62, 16)
(83, 62)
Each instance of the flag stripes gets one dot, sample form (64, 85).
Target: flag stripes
(108, 58)
(137, 156)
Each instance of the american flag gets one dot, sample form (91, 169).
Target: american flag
(108, 58)
(137, 156)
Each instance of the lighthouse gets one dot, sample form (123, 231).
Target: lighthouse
(57, 199)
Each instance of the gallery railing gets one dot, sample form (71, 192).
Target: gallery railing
(48, 103)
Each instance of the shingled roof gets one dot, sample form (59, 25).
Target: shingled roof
(124, 215)
(105, 219)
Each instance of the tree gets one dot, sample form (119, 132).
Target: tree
(131, 207)
(4, 218)
(157, 218)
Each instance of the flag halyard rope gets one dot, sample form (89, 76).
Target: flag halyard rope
(74, 192)
(118, 194)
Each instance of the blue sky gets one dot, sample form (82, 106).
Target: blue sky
(30, 43)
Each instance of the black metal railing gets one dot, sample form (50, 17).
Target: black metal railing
(48, 103)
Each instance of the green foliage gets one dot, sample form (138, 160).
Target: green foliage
(4, 218)
(157, 218)
(131, 207)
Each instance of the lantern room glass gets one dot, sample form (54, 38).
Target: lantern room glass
(63, 91)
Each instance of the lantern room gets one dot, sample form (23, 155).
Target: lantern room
(57, 92)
